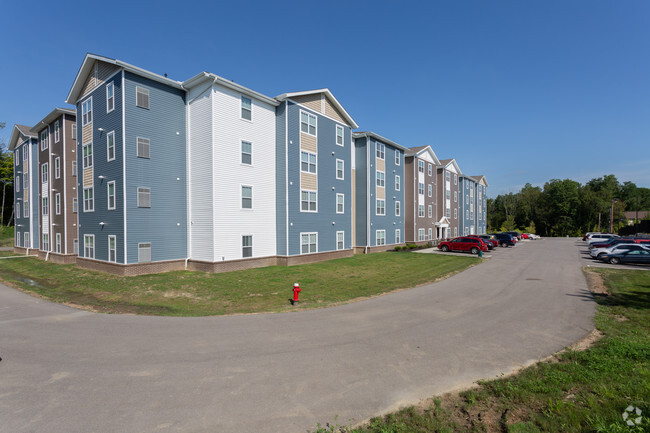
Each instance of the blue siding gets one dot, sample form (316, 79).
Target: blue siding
(326, 222)
(164, 224)
(22, 222)
(361, 191)
(280, 179)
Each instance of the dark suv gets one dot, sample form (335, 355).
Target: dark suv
(505, 240)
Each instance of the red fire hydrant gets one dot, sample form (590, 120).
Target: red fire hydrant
(296, 290)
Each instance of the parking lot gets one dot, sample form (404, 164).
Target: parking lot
(588, 261)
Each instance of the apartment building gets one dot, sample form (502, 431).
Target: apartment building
(448, 173)
(24, 144)
(423, 222)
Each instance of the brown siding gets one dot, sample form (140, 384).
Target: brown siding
(97, 76)
(87, 133)
(71, 189)
(308, 181)
(410, 204)
(332, 112)
(308, 142)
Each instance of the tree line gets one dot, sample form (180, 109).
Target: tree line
(6, 181)
(566, 207)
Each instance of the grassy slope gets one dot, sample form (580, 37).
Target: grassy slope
(6, 236)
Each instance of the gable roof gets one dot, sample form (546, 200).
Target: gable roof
(207, 76)
(480, 178)
(87, 67)
(20, 132)
(444, 163)
(416, 151)
(378, 138)
(329, 96)
(50, 117)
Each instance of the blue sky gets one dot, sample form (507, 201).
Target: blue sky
(521, 91)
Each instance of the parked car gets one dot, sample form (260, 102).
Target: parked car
(588, 235)
(638, 256)
(516, 235)
(489, 239)
(463, 243)
(490, 245)
(600, 238)
(525, 236)
(505, 240)
(596, 253)
(614, 241)
(534, 236)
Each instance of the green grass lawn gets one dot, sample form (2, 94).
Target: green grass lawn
(6, 236)
(585, 391)
(268, 289)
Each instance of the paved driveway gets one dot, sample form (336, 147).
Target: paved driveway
(65, 370)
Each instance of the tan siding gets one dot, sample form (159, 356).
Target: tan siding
(99, 73)
(25, 195)
(332, 112)
(104, 71)
(380, 164)
(89, 85)
(88, 177)
(381, 193)
(312, 101)
(308, 181)
(308, 142)
(87, 133)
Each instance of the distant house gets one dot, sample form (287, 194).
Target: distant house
(24, 144)
(631, 216)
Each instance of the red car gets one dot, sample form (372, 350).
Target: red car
(487, 239)
(464, 243)
(525, 236)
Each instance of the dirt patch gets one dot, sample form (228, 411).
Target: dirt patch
(595, 282)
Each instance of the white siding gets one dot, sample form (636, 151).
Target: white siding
(229, 174)
(200, 175)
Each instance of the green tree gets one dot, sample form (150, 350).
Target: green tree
(6, 178)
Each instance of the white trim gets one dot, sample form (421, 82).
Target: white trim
(108, 258)
(57, 203)
(398, 182)
(108, 157)
(308, 201)
(342, 161)
(84, 199)
(57, 131)
(398, 208)
(57, 243)
(241, 196)
(377, 232)
(241, 108)
(126, 256)
(83, 119)
(242, 246)
(143, 90)
(57, 167)
(340, 194)
(336, 136)
(398, 236)
(309, 155)
(84, 245)
(242, 153)
(377, 207)
(65, 183)
(337, 240)
(398, 157)
(315, 116)
(308, 234)
(110, 85)
(108, 196)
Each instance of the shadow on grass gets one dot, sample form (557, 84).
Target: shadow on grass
(636, 299)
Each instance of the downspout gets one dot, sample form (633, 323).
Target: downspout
(188, 166)
(368, 188)
(286, 175)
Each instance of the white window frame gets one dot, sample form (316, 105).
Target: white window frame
(110, 146)
(429, 169)
(420, 166)
(244, 247)
(45, 173)
(342, 169)
(45, 206)
(142, 250)
(455, 196)
(420, 188)
(57, 167)
(57, 132)
(398, 236)
(308, 123)
(26, 239)
(244, 109)
(398, 157)
(430, 190)
(75, 246)
(17, 182)
(87, 111)
(398, 182)
(146, 144)
(430, 233)
(17, 157)
(309, 200)
(46, 242)
(380, 179)
(18, 214)
(25, 153)
(420, 211)
(380, 207)
(340, 203)
(398, 208)
(143, 194)
(109, 195)
(244, 153)
(380, 237)
(57, 243)
(75, 205)
(74, 132)
(309, 156)
(89, 199)
(144, 92)
(455, 213)
(44, 140)
(110, 97)
(87, 155)
(241, 203)
(380, 150)
(455, 179)
(113, 250)
(421, 235)
(340, 240)
(57, 203)
(25, 209)
(430, 211)
(309, 243)
(340, 134)
(89, 246)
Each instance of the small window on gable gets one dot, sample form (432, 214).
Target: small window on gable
(339, 135)
(142, 97)
(144, 197)
(143, 147)
(307, 123)
(246, 108)
(110, 97)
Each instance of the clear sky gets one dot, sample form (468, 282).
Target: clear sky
(521, 91)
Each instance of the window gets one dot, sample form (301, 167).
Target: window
(398, 236)
(381, 207)
(45, 206)
(75, 247)
(17, 157)
(340, 203)
(448, 195)
(308, 243)
(143, 147)
(18, 239)
(44, 173)
(380, 179)
(455, 179)
(74, 168)
(74, 132)
(246, 108)
(307, 123)
(421, 166)
(340, 171)
(110, 146)
(448, 213)
(455, 196)
(308, 201)
(455, 213)
(420, 188)
(447, 176)
(58, 243)
(17, 209)
(339, 135)
(430, 211)
(112, 248)
(110, 192)
(397, 183)
(87, 154)
(89, 199)
(398, 157)
(467, 214)
(46, 242)
(26, 239)
(142, 97)
(25, 153)
(455, 231)
(144, 197)
(380, 237)
(25, 182)
(307, 162)
(246, 153)
(57, 132)
(398, 208)
(247, 197)
(247, 246)
(26, 209)
(380, 150)
(429, 170)
(421, 235)
(430, 233)
(44, 140)
(144, 252)
(340, 240)
(57, 167)
(430, 190)
(87, 111)
(75, 205)
(57, 203)
(17, 182)
(110, 97)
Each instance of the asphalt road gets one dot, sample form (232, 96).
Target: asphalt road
(68, 371)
